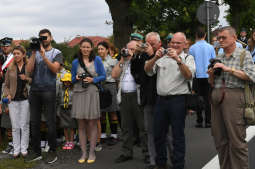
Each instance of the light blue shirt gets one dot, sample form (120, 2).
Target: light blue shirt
(239, 45)
(252, 53)
(202, 53)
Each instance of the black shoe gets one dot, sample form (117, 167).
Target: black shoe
(51, 157)
(161, 167)
(32, 157)
(8, 150)
(199, 125)
(208, 125)
(112, 141)
(150, 167)
(123, 158)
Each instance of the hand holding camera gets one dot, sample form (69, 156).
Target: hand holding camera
(215, 66)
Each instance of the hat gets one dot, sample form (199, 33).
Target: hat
(243, 30)
(169, 37)
(67, 77)
(136, 36)
(6, 41)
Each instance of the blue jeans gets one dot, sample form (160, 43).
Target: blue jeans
(170, 111)
(38, 101)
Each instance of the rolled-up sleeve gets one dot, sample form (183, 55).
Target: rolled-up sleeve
(190, 63)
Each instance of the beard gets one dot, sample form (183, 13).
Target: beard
(46, 45)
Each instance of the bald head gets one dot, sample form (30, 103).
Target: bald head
(178, 42)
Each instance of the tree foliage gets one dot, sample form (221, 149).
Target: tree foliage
(144, 16)
(241, 14)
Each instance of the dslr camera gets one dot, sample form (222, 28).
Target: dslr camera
(35, 43)
(217, 71)
(124, 53)
(83, 76)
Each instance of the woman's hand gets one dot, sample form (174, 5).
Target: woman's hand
(88, 79)
(23, 77)
(77, 77)
(9, 98)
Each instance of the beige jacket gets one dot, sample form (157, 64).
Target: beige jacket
(10, 84)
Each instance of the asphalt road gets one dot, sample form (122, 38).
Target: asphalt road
(199, 143)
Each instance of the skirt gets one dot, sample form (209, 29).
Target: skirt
(114, 106)
(66, 121)
(86, 104)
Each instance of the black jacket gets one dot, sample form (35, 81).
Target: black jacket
(148, 83)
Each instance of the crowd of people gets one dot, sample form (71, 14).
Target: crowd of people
(148, 84)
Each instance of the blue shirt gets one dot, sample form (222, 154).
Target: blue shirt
(202, 53)
(252, 53)
(239, 45)
(99, 67)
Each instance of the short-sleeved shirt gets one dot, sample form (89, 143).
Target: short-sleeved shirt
(202, 52)
(170, 80)
(109, 64)
(43, 78)
(233, 61)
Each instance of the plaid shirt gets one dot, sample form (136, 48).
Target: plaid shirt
(232, 81)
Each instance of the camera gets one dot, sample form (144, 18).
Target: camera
(217, 71)
(165, 51)
(35, 43)
(124, 53)
(83, 76)
(143, 46)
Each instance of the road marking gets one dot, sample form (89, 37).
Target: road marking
(214, 163)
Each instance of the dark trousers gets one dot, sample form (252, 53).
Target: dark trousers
(203, 89)
(46, 100)
(132, 115)
(170, 111)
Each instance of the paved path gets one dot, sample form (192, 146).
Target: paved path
(200, 150)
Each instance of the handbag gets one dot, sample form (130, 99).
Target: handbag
(105, 95)
(249, 95)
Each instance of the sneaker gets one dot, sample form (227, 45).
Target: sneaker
(51, 157)
(70, 146)
(46, 148)
(11, 152)
(8, 149)
(98, 147)
(33, 157)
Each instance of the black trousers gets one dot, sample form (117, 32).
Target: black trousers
(47, 101)
(203, 89)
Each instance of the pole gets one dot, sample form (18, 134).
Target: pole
(208, 20)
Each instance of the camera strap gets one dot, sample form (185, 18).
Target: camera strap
(86, 71)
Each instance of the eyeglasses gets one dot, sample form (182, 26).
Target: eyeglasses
(221, 37)
(176, 43)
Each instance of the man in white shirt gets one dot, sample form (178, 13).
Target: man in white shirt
(128, 97)
(173, 70)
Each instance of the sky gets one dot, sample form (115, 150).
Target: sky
(64, 18)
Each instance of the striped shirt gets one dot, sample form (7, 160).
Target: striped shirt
(233, 61)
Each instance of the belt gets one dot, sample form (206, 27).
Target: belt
(110, 82)
(128, 91)
(171, 96)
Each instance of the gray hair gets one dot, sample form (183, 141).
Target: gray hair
(230, 29)
(152, 34)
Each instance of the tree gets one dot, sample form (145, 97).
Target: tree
(241, 13)
(144, 16)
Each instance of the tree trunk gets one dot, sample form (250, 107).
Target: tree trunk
(122, 23)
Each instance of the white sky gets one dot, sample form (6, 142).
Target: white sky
(22, 19)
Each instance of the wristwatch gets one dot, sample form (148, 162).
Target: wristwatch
(121, 65)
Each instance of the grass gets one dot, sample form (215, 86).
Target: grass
(8, 163)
